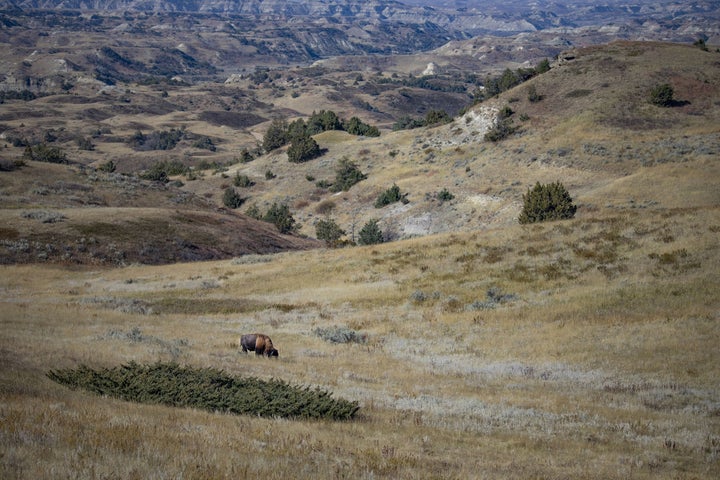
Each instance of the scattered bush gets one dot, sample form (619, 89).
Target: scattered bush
(329, 232)
(347, 174)
(340, 334)
(85, 143)
(700, 43)
(662, 95)
(208, 389)
(444, 195)
(533, 95)
(370, 234)
(547, 202)
(325, 207)
(43, 153)
(163, 140)
(44, 216)
(280, 216)
(107, 167)
(242, 181)
(391, 195)
(162, 170)
(502, 129)
(205, 143)
(493, 297)
(232, 199)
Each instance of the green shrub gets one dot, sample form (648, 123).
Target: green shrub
(161, 170)
(280, 216)
(207, 389)
(347, 174)
(662, 95)
(444, 195)
(355, 126)
(533, 95)
(391, 195)
(232, 199)
(502, 129)
(329, 232)
(205, 143)
(163, 140)
(302, 149)
(370, 234)
(43, 153)
(276, 135)
(107, 167)
(437, 117)
(254, 212)
(242, 181)
(547, 202)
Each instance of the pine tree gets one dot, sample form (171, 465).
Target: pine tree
(370, 234)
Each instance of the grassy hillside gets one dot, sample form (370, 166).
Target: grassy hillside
(584, 348)
(576, 349)
(591, 126)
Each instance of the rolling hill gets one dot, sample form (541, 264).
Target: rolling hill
(474, 346)
(592, 127)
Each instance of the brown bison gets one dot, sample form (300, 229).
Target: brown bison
(258, 343)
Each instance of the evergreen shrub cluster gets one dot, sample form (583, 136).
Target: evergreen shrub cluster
(208, 389)
(391, 195)
(547, 202)
(44, 153)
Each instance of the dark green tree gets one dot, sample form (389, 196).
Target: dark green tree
(232, 199)
(329, 232)
(437, 117)
(355, 126)
(276, 135)
(370, 233)
(297, 129)
(302, 149)
(347, 174)
(547, 202)
(280, 216)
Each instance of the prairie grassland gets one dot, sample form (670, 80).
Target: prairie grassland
(577, 349)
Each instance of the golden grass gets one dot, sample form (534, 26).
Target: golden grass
(599, 365)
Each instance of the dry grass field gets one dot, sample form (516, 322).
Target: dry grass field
(576, 349)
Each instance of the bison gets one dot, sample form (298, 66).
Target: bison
(258, 343)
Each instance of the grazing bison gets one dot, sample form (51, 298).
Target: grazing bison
(258, 343)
